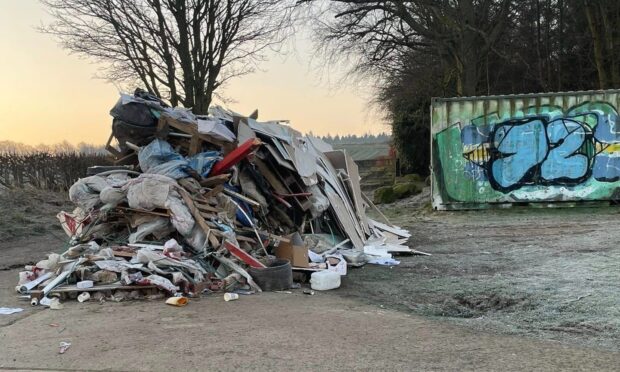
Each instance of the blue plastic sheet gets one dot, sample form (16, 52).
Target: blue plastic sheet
(242, 205)
(160, 158)
(203, 162)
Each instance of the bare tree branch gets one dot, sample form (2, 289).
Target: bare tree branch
(182, 50)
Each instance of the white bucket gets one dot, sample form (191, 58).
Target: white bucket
(324, 280)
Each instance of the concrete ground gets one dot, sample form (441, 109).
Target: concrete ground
(271, 331)
(504, 290)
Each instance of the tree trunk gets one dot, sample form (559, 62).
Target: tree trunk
(608, 33)
(469, 51)
(599, 55)
(561, 44)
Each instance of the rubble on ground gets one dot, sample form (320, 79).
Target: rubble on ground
(216, 203)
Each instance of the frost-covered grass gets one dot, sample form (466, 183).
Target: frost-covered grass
(549, 273)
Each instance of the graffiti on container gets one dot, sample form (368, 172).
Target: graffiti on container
(547, 147)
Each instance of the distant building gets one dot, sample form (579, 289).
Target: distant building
(376, 162)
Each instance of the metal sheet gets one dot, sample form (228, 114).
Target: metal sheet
(531, 148)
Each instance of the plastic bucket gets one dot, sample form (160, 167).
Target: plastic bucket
(277, 276)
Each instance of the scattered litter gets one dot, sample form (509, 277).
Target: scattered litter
(336, 263)
(83, 297)
(212, 203)
(414, 251)
(10, 310)
(309, 292)
(384, 261)
(177, 301)
(231, 296)
(64, 346)
(84, 284)
(579, 298)
(55, 304)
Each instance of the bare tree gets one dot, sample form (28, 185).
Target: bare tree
(603, 18)
(384, 33)
(183, 50)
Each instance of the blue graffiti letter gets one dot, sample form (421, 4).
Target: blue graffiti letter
(565, 138)
(522, 144)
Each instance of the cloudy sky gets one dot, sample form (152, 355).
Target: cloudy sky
(47, 95)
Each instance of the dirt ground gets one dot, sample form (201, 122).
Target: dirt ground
(31, 212)
(519, 289)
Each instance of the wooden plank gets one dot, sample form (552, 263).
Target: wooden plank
(198, 217)
(154, 213)
(330, 175)
(266, 172)
(206, 208)
(208, 215)
(110, 148)
(393, 248)
(215, 180)
(242, 238)
(130, 158)
(295, 268)
(124, 254)
(216, 190)
(345, 219)
(194, 145)
(242, 197)
(356, 191)
(393, 229)
(373, 206)
(162, 127)
(278, 157)
(275, 238)
(188, 128)
(97, 288)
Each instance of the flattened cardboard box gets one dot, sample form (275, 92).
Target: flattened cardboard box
(295, 251)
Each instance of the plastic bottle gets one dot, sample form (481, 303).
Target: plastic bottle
(324, 280)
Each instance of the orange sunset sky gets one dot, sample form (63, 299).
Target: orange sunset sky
(47, 95)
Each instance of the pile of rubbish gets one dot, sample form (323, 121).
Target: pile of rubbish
(215, 203)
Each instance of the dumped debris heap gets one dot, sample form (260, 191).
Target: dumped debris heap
(210, 203)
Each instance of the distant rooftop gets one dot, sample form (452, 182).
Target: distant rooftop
(365, 151)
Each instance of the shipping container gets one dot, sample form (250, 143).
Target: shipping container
(530, 148)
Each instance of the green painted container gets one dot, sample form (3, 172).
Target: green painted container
(531, 148)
